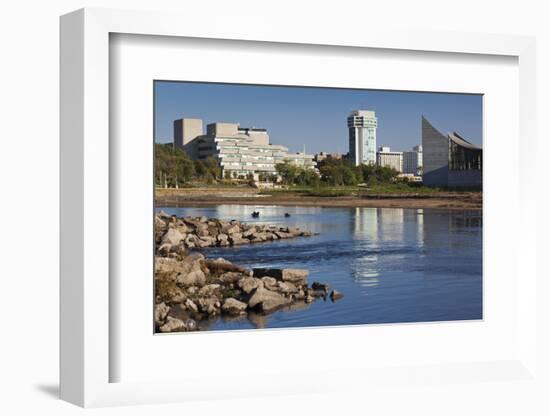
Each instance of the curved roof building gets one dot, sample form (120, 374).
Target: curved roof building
(451, 160)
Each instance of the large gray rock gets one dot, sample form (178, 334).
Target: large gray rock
(208, 289)
(266, 301)
(161, 310)
(221, 265)
(163, 214)
(296, 276)
(232, 229)
(192, 278)
(206, 241)
(173, 325)
(159, 223)
(282, 234)
(202, 230)
(239, 241)
(233, 306)
(248, 284)
(173, 237)
(231, 277)
(286, 287)
(190, 305)
(187, 272)
(335, 295)
(167, 267)
(269, 283)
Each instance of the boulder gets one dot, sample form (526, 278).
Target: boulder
(208, 289)
(248, 284)
(315, 293)
(335, 295)
(231, 277)
(206, 241)
(286, 287)
(231, 229)
(163, 215)
(190, 271)
(193, 278)
(164, 249)
(233, 306)
(161, 310)
(168, 268)
(190, 305)
(173, 237)
(238, 241)
(266, 300)
(213, 230)
(282, 234)
(221, 265)
(296, 276)
(209, 305)
(202, 230)
(293, 231)
(269, 282)
(159, 223)
(222, 240)
(173, 325)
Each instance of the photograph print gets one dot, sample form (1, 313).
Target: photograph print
(296, 207)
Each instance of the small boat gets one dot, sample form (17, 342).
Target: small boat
(287, 214)
(256, 214)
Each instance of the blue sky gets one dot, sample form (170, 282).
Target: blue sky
(316, 117)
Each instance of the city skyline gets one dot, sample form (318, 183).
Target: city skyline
(316, 117)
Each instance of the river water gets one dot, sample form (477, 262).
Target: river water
(393, 265)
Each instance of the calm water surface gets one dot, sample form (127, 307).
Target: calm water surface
(392, 265)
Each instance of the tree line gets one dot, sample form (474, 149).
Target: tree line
(174, 168)
(336, 172)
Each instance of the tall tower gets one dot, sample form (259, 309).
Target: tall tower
(362, 137)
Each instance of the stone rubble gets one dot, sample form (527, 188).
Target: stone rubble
(191, 289)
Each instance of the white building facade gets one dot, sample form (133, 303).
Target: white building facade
(240, 151)
(385, 157)
(362, 126)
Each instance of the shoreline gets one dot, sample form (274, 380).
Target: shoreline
(204, 197)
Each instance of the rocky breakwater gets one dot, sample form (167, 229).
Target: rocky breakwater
(174, 234)
(191, 290)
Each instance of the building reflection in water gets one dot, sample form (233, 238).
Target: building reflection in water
(465, 219)
(385, 231)
(365, 232)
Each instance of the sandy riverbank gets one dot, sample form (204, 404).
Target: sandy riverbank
(248, 196)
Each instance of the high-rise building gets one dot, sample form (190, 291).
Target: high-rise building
(449, 160)
(412, 161)
(238, 150)
(385, 157)
(362, 137)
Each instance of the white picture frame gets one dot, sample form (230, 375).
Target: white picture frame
(85, 217)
